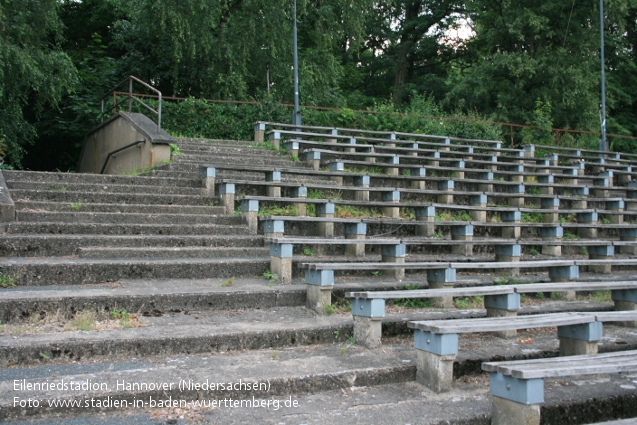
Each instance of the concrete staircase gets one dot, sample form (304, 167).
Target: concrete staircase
(174, 292)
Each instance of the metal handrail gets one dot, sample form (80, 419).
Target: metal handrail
(108, 158)
(132, 96)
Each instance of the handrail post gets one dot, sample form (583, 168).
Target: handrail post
(102, 112)
(159, 114)
(130, 94)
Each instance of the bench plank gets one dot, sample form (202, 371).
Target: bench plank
(428, 293)
(566, 366)
(490, 324)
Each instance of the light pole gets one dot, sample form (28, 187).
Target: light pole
(602, 143)
(296, 115)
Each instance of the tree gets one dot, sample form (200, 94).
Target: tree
(34, 72)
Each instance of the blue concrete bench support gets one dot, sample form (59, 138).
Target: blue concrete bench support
(579, 339)
(226, 197)
(281, 261)
(394, 254)
(462, 233)
(625, 299)
(440, 279)
(355, 231)
(425, 216)
(504, 305)
(422, 183)
(435, 356)
(587, 218)
(208, 175)
(552, 234)
(478, 201)
(325, 229)
(319, 285)
(273, 176)
(391, 197)
(249, 215)
(603, 252)
(368, 317)
(362, 182)
(512, 217)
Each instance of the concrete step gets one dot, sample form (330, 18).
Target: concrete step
(195, 165)
(194, 141)
(124, 218)
(118, 208)
(170, 252)
(102, 188)
(50, 177)
(80, 271)
(125, 229)
(20, 195)
(156, 297)
(59, 245)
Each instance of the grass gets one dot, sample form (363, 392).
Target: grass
(174, 150)
(534, 191)
(278, 210)
(75, 206)
(270, 276)
(84, 320)
(228, 282)
(9, 280)
(448, 216)
(411, 302)
(532, 218)
(438, 235)
(569, 235)
(469, 302)
(308, 251)
(602, 297)
(534, 251)
(583, 251)
(58, 187)
(350, 211)
(126, 319)
(507, 280)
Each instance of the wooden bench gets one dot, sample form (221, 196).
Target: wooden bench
(436, 341)
(517, 386)
(368, 307)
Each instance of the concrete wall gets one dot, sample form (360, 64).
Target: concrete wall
(120, 130)
(7, 208)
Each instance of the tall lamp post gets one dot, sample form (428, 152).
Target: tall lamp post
(296, 116)
(602, 143)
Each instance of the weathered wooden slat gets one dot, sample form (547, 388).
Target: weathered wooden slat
(573, 286)
(490, 324)
(616, 316)
(428, 293)
(333, 241)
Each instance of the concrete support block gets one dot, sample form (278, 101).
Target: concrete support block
(625, 300)
(529, 151)
(292, 148)
(579, 339)
(564, 273)
(488, 178)
(587, 218)
(281, 261)
(313, 159)
(509, 254)
(274, 137)
(392, 197)
(552, 234)
(516, 195)
(512, 217)
(521, 391)
(351, 142)
(494, 163)
(551, 204)
(553, 159)
(446, 145)
(356, 231)
(604, 252)
(326, 210)
(505, 305)
(415, 174)
(616, 206)
(434, 371)
(259, 132)
(571, 173)
(273, 229)
(425, 216)
(362, 182)
(318, 298)
(208, 175)
(337, 167)
(434, 159)
(435, 356)
(625, 179)
(628, 235)
(462, 233)
(333, 132)
(547, 179)
(368, 331)
(274, 177)
(226, 197)
(519, 177)
(394, 254)
(446, 186)
(392, 171)
(478, 201)
(441, 279)
(301, 207)
(249, 215)
(507, 412)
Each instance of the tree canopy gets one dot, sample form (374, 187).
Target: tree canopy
(527, 62)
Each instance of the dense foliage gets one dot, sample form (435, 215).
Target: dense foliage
(527, 62)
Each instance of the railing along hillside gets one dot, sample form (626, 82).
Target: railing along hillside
(119, 97)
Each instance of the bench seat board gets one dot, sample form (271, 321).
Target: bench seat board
(427, 293)
(616, 316)
(335, 241)
(490, 324)
(441, 265)
(574, 286)
(615, 362)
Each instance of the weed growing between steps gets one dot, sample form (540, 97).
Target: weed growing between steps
(9, 280)
(84, 320)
